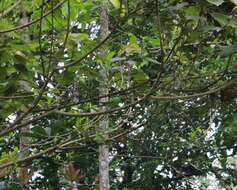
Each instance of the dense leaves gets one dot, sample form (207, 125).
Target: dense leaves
(170, 67)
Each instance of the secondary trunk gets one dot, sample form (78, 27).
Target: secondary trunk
(103, 149)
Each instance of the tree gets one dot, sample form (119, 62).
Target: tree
(104, 90)
(170, 94)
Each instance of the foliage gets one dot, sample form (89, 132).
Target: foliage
(171, 74)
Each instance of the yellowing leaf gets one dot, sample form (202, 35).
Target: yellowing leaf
(116, 3)
(132, 49)
(5, 171)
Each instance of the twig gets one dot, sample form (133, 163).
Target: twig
(15, 97)
(68, 25)
(32, 22)
(160, 29)
(40, 33)
(84, 56)
(187, 97)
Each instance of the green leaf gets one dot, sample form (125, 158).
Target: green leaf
(4, 24)
(139, 75)
(21, 68)
(220, 18)
(233, 22)
(115, 3)
(216, 2)
(66, 77)
(133, 39)
(79, 37)
(99, 138)
(91, 73)
(83, 124)
(36, 132)
(192, 12)
(4, 56)
(10, 89)
(229, 50)
(5, 4)
(132, 49)
(57, 127)
(15, 186)
(20, 57)
(155, 42)
(3, 74)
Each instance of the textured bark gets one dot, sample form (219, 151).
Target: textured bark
(23, 174)
(103, 149)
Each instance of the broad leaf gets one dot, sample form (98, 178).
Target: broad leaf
(229, 50)
(222, 19)
(116, 3)
(216, 2)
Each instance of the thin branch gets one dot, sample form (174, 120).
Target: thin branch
(117, 93)
(175, 44)
(32, 157)
(142, 124)
(55, 111)
(160, 29)
(68, 24)
(34, 21)
(33, 105)
(75, 114)
(40, 34)
(187, 97)
(38, 98)
(52, 39)
(15, 97)
(15, 127)
(85, 56)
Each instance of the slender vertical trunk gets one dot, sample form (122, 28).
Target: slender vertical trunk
(103, 149)
(23, 174)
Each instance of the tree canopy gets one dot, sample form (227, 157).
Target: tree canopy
(170, 70)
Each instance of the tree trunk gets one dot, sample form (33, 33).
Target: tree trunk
(103, 149)
(23, 174)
